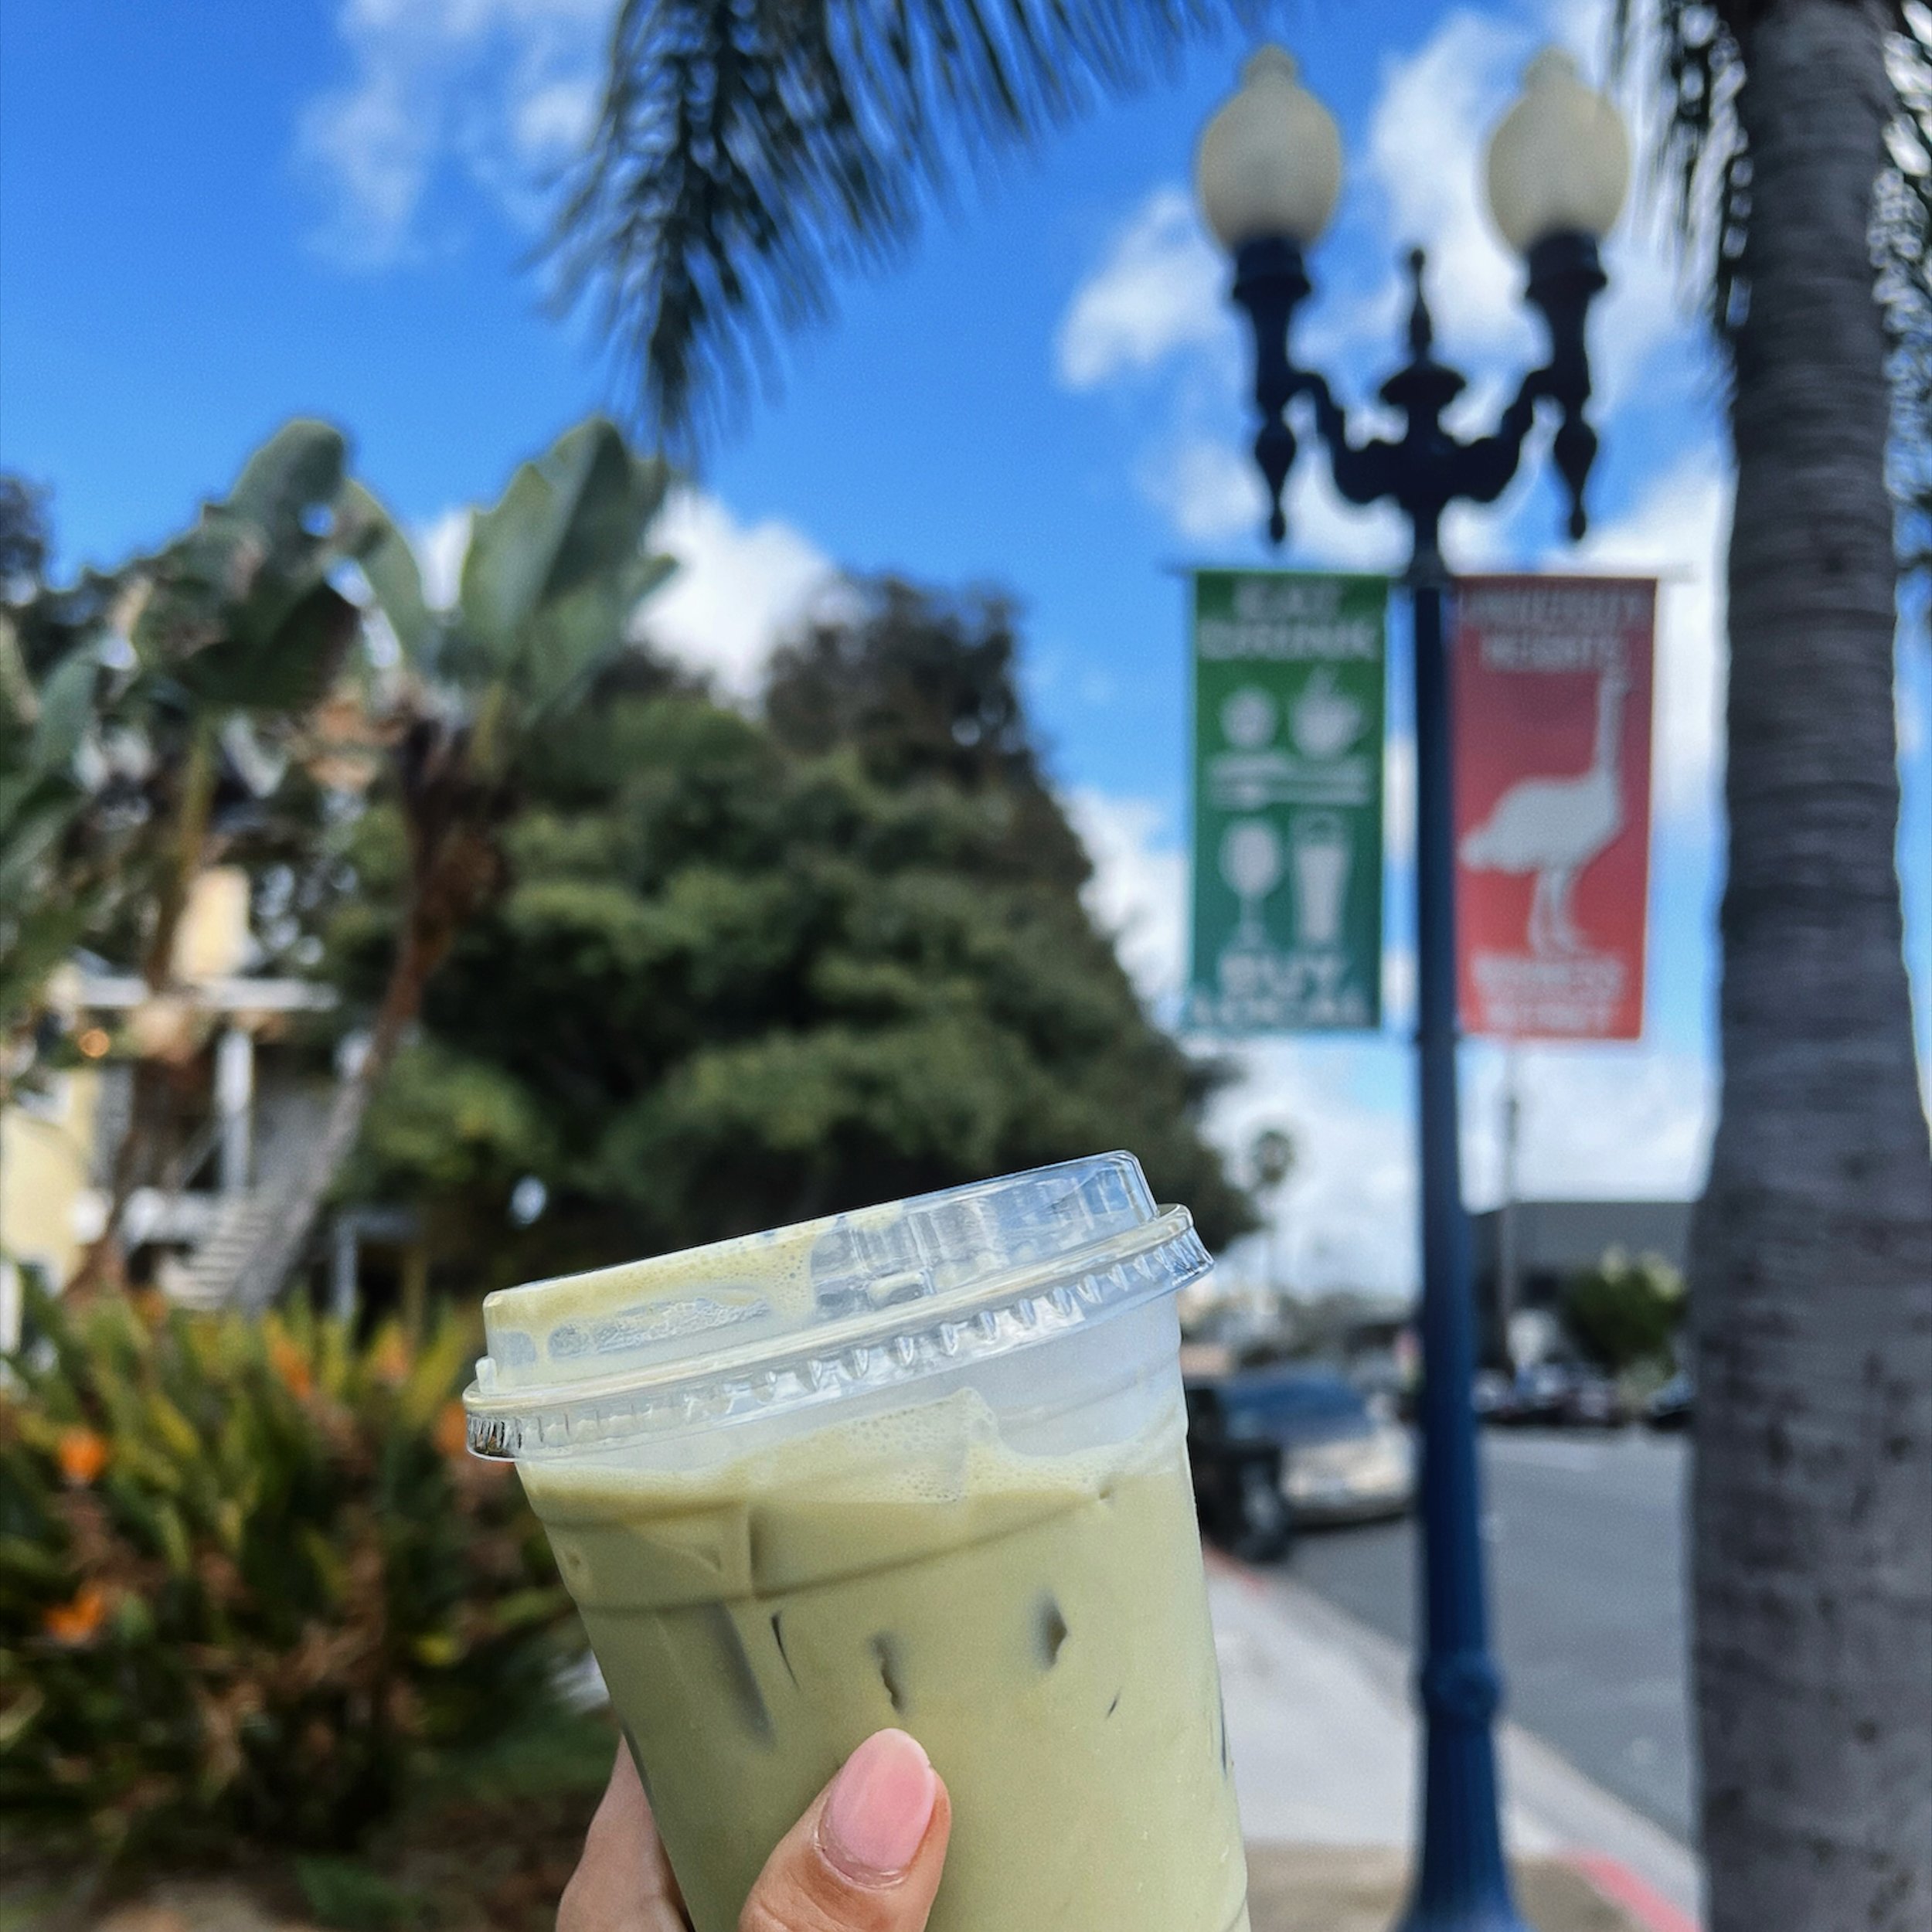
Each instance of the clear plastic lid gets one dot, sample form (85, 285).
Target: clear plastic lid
(821, 1311)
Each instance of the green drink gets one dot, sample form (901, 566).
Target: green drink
(921, 1465)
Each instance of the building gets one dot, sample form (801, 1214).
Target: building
(247, 1105)
(1556, 1240)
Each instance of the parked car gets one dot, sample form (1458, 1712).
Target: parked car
(1553, 1395)
(1491, 1392)
(1671, 1407)
(1275, 1449)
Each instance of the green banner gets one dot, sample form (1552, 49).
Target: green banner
(1288, 673)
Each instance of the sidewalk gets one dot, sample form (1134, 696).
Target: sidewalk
(1325, 1746)
(1325, 1749)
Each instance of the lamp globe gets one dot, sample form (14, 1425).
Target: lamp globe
(1268, 166)
(1558, 159)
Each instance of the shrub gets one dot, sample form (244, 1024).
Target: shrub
(253, 1588)
(1623, 1312)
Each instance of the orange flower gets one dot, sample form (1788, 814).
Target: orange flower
(82, 1455)
(78, 1623)
(292, 1365)
(452, 1429)
(390, 1361)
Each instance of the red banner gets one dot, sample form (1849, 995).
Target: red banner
(1552, 683)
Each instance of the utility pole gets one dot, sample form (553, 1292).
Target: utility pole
(1509, 1261)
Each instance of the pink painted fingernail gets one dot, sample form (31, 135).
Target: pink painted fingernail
(880, 1803)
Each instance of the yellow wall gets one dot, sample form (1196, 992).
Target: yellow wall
(212, 941)
(43, 1169)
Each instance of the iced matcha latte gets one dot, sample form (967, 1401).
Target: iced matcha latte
(920, 1465)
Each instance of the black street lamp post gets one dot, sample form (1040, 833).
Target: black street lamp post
(1268, 171)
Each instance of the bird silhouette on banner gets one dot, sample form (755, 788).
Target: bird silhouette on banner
(1554, 827)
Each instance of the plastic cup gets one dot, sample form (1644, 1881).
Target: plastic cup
(922, 1464)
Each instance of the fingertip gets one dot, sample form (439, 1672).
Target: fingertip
(879, 1808)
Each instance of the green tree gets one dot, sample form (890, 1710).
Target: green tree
(921, 687)
(1624, 1311)
(734, 980)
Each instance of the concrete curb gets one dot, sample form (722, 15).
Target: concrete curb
(1554, 1809)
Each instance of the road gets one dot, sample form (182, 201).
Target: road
(1585, 1537)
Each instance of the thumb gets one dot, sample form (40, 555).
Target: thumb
(867, 1855)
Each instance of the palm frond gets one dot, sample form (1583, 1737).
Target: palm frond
(1902, 246)
(748, 152)
(1701, 158)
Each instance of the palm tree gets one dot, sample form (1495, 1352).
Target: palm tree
(1811, 1252)
(554, 571)
(747, 150)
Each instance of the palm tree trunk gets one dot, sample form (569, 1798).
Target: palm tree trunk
(138, 1159)
(269, 1267)
(1812, 1248)
(455, 867)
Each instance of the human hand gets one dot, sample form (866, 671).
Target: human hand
(865, 1857)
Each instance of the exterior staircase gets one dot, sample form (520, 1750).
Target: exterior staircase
(213, 1273)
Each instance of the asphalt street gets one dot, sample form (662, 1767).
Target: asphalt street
(1585, 1539)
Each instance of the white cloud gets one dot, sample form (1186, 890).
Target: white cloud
(1597, 1122)
(1210, 491)
(1398, 796)
(497, 93)
(1679, 529)
(1398, 984)
(441, 545)
(1163, 287)
(1138, 892)
(738, 588)
(1347, 1217)
(1427, 135)
(1910, 704)
(1424, 157)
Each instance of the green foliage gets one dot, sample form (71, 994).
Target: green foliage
(1625, 1312)
(923, 689)
(240, 614)
(733, 981)
(59, 863)
(553, 573)
(253, 1588)
(554, 570)
(119, 779)
(41, 796)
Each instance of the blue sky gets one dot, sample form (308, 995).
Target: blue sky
(214, 215)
